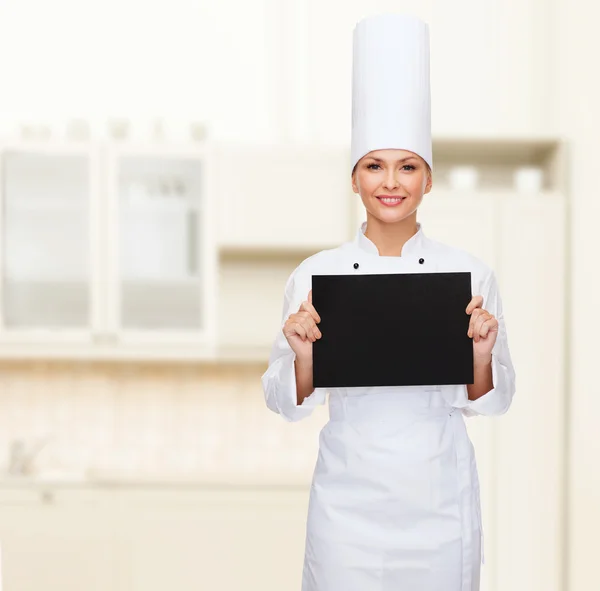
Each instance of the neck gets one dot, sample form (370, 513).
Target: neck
(390, 238)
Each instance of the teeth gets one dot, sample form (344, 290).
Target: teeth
(386, 200)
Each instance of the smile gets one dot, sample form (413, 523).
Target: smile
(391, 201)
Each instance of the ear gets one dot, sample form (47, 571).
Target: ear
(429, 184)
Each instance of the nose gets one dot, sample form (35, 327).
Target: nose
(391, 182)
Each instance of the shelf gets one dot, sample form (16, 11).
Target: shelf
(56, 350)
(269, 252)
(134, 346)
(18, 204)
(490, 193)
(507, 150)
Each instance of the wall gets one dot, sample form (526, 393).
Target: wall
(153, 421)
(578, 116)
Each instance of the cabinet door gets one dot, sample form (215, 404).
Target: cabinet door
(57, 544)
(222, 539)
(161, 250)
(49, 225)
(283, 197)
(528, 524)
(499, 46)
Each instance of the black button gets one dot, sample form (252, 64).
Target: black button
(356, 265)
(421, 261)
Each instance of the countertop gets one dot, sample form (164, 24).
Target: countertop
(116, 478)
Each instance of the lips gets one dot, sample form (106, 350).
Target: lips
(391, 200)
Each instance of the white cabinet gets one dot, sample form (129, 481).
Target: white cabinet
(224, 539)
(57, 540)
(109, 250)
(530, 440)
(129, 538)
(283, 197)
(162, 255)
(46, 222)
(489, 67)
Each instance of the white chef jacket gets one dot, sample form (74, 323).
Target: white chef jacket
(394, 502)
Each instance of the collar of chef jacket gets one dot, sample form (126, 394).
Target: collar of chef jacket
(411, 248)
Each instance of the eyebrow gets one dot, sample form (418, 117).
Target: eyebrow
(397, 161)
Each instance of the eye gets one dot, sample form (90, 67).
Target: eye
(409, 166)
(372, 165)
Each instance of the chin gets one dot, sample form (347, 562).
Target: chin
(391, 217)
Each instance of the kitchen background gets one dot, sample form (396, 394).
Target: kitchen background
(164, 167)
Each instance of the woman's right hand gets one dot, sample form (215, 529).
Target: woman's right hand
(300, 329)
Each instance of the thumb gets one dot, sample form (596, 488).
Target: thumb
(310, 297)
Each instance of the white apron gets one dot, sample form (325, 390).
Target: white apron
(394, 502)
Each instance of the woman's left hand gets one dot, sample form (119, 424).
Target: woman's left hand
(483, 329)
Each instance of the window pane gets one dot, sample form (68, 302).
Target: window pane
(46, 239)
(159, 255)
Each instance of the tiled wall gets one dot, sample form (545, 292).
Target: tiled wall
(157, 420)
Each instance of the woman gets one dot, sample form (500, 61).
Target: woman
(394, 502)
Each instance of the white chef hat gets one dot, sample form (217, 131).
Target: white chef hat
(391, 101)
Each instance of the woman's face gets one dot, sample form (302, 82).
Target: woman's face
(391, 183)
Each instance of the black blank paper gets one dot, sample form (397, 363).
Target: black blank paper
(392, 330)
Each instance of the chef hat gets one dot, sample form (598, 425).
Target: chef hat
(391, 102)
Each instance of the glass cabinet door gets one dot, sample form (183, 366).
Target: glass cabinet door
(160, 257)
(46, 240)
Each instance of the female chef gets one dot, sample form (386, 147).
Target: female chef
(394, 502)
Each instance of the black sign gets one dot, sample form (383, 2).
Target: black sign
(392, 330)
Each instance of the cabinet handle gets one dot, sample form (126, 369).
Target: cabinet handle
(47, 497)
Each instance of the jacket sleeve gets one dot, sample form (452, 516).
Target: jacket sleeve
(279, 381)
(498, 400)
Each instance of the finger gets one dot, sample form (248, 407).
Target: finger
(481, 318)
(315, 330)
(476, 313)
(489, 326)
(297, 324)
(476, 302)
(478, 330)
(307, 316)
(311, 328)
(299, 329)
(308, 307)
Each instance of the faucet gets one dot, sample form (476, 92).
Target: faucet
(21, 459)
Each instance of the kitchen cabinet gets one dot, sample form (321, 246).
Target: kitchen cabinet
(221, 539)
(282, 198)
(109, 251)
(162, 257)
(251, 303)
(492, 77)
(48, 202)
(148, 538)
(488, 78)
(530, 440)
(57, 539)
